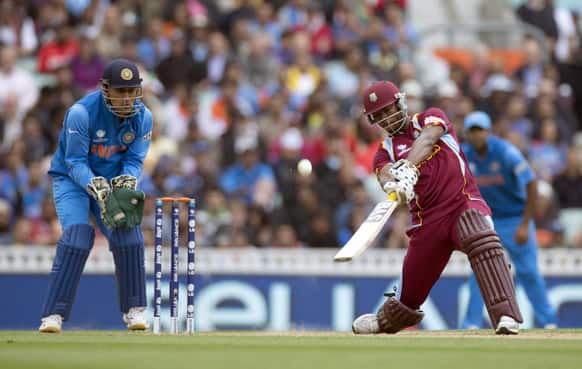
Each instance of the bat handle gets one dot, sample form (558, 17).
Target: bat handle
(392, 196)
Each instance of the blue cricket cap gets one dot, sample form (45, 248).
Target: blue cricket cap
(477, 119)
(121, 73)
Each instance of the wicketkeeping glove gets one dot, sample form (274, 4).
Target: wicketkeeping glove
(124, 181)
(111, 213)
(131, 202)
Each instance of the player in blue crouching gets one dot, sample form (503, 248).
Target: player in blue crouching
(508, 184)
(102, 146)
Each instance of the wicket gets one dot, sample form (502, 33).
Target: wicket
(174, 256)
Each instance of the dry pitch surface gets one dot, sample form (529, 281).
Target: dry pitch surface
(273, 350)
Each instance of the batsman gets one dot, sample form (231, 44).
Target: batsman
(420, 160)
(104, 140)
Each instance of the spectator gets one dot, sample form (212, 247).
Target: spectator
(60, 51)
(248, 179)
(285, 237)
(548, 154)
(6, 219)
(567, 184)
(16, 82)
(153, 47)
(109, 38)
(17, 30)
(87, 65)
(178, 66)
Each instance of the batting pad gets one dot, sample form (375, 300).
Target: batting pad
(481, 244)
(72, 252)
(128, 253)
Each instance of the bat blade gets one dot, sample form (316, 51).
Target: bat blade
(366, 234)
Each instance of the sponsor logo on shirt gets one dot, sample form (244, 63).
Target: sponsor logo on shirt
(105, 151)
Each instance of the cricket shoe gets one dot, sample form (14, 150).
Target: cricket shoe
(51, 324)
(366, 324)
(507, 325)
(135, 319)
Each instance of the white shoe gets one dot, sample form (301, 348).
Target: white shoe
(135, 319)
(51, 324)
(366, 324)
(507, 325)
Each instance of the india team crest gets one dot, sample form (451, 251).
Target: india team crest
(373, 97)
(126, 74)
(128, 137)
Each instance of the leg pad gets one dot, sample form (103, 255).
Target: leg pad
(128, 253)
(481, 244)
(394, 316)
(72, 252)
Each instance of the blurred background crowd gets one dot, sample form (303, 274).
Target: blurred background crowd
(241, 90)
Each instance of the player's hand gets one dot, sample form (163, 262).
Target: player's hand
(522, 234)
(403, 195)
(124, 181)
(111, 213)
(99, 188)
(404, 171)
(131, 203)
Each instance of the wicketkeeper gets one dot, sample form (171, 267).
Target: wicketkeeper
(104, 140)
(421, 161)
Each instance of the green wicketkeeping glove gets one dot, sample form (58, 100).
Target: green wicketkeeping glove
(131, 203)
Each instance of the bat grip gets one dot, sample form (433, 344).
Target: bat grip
(392, 196)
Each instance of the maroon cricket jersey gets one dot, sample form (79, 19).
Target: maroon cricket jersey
(446, 184)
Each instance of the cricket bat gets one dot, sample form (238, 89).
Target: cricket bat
(368, 231)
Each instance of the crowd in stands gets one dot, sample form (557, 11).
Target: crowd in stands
(242, 90)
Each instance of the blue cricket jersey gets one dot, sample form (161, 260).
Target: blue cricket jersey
(502, 176)
(95, 142)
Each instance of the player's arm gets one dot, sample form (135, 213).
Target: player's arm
(423, 145)
(132, 162)
(530, 203)
(525, 177)
(384, 175)
(76, 133)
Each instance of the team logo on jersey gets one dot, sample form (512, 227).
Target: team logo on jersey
(494, 167)
(126, 74)
(147, 136)
(100, 136)
(402, 149)
(128, 137)
(373, 97)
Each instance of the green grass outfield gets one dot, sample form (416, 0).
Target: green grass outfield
(256, 350)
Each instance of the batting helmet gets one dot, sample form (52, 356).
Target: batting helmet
(123, 75)
(385, 105)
